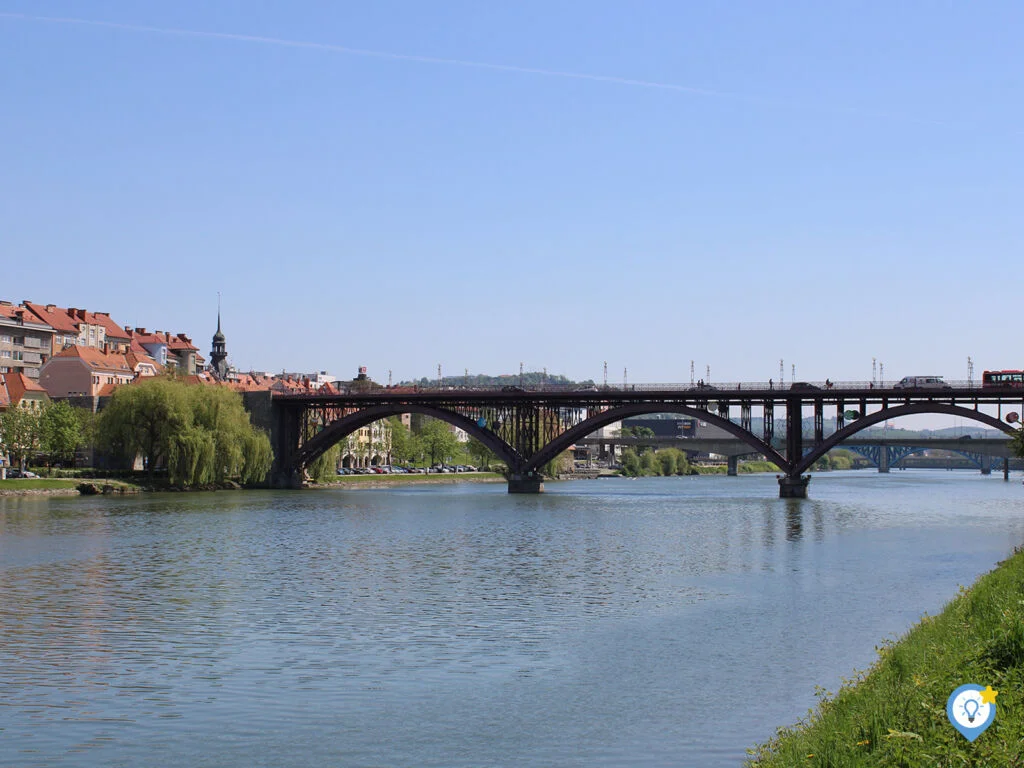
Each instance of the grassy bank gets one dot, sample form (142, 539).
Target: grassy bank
(744, 467)
(42, 484)
(378, 481)
(895, 713)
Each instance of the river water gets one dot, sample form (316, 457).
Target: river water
(657, 622)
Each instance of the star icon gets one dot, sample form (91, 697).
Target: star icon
(988, 696)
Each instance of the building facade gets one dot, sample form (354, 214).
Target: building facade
(26, 342)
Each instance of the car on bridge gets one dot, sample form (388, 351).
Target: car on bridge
(921, 382)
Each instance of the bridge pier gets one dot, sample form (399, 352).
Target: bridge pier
(883, 459)
(527, 482)
(1006, 468)
(286, 478)
(793, 487)
(733, 466)
(986, 464)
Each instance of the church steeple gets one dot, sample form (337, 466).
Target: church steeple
(219, 353)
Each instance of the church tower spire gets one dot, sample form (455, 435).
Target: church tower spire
(219, 353)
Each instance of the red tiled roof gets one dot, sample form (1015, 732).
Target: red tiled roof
(248, 382)
(5, 400)
(96, 359)
(134, 359)
(110, 328)
(19, 314)
(61, 320)
(17, 385)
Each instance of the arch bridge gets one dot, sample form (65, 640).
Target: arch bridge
(527, 429)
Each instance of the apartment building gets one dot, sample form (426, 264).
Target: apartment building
(88, 372)
(26, 342)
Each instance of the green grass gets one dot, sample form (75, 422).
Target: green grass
(42, 484)
(744, 467)
(398, 479)
(895, 713)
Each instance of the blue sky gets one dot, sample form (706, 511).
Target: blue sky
(821, 183)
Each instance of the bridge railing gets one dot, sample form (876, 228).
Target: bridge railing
(698, 387)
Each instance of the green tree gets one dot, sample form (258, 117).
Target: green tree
(61, 432)
(20, 432)
(200, 434)
(649, 464)
(238, 448)
(404, 447)
(481, 455)
(1017, 442)
(326, 465)
(439, 443)
(667, 459)
(145, 419)
(630, 463)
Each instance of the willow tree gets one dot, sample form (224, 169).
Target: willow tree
(145, 419)
(325, 466)
(201, 434)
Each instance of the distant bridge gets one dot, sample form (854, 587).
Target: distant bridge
(882, 452)
(528, 428)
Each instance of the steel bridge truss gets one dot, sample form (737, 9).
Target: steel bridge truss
(526, 430)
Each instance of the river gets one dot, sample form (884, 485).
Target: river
(654, 622)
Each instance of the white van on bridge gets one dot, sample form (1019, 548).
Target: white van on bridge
(921, 382)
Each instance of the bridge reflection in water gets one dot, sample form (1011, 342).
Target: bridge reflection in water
(528, 428)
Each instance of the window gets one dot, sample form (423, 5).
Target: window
(4, 339)
(5, 353)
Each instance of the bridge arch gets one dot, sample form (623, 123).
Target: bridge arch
(895, 412)
(584, 428)
(345, 426)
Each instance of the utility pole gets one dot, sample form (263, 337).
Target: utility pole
(708, 379)
(874, 371)
(792, 376)
(389, 378)
(606, 374)
(782, 373)
(438, 375)
(691, 373)
(625, 378)
(970, 372)
(881, 375)
(465, 379)
(520, 374)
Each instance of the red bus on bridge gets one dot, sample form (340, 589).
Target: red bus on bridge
(1002, 379)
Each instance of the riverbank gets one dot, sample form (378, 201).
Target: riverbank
(38, 487)
(894, 714)
(391, 481)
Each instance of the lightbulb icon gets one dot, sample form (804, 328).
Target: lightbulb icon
(971, 708)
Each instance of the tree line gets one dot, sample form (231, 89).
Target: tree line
(428, 442)
(197, 434)
(55, 430)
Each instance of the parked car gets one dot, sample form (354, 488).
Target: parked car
(20, 473)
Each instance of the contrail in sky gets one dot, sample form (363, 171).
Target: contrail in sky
(362, 52)
(610, 79)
